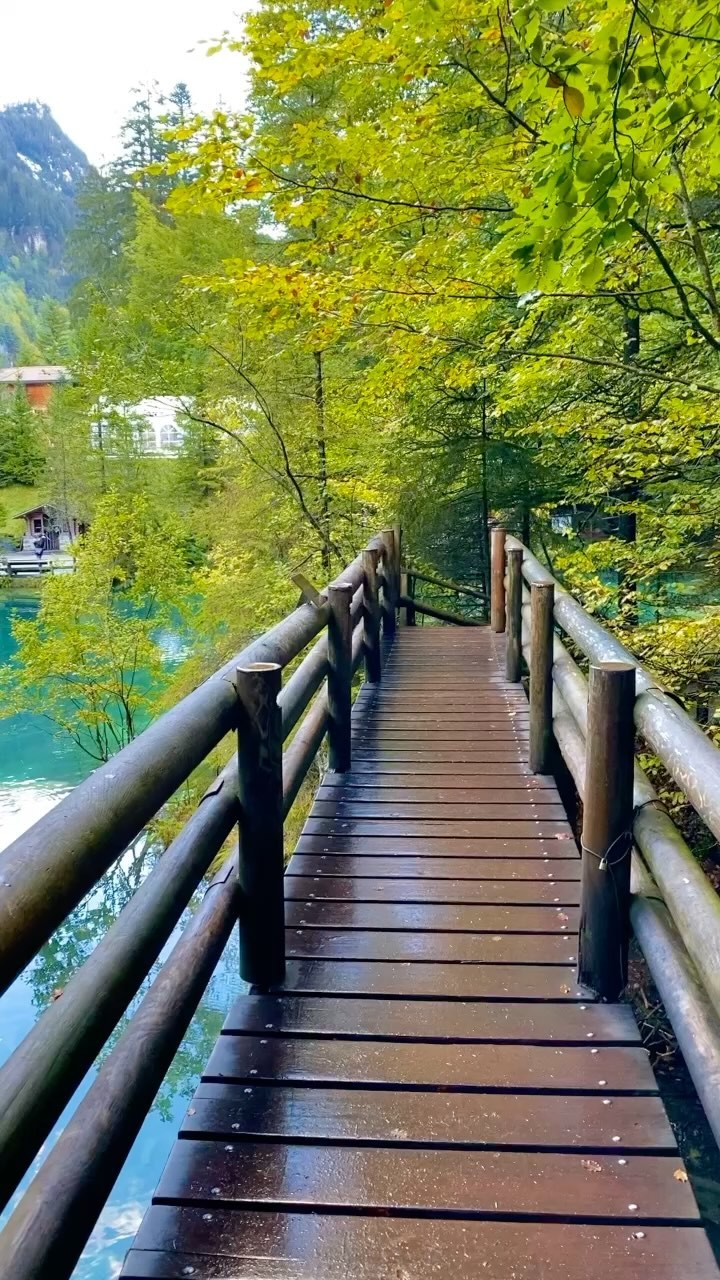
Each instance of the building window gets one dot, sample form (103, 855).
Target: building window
(37, 524)
(170, 438)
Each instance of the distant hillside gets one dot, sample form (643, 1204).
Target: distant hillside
(41, 172)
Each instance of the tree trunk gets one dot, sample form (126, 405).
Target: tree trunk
(627, 523)
(101, 451)
(698, 248)
(484, 532)
(321, 446)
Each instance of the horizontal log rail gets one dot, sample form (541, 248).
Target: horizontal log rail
(81, 838)
(447, 584)
(442, 615)
(410, 576)
(674, 909)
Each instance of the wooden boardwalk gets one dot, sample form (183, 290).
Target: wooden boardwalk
(430, 1094)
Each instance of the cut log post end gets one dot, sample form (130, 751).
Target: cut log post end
(497, 579)
(340, 629)
(261, 860)
(542, 603)
(371, 615)
(607, 830)
(513, 650)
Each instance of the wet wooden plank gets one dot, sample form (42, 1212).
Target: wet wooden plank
(498, 829)
(461, 709)
(417, 889)
(430, 1020)
(482, 773)
(438, 981)
(458, 707)
(446, 948)
(394, 690)
(477, 1184)
(228, 1112)
(478, 797)
(464, 727)
(227, 1244)
(505, 753)
(482, 1067)
(485, 811)
(446, 845)
(419, 736)
(360, 909)
(445, 782)
(483, 871)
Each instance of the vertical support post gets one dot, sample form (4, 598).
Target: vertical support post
(402, 612)
(607, 830)
(410, 611)
(513, 651)
(339, 675)
(397, 563)
(371, 615)
(542, 601)
(261, 864)
(526, 523)
(497, 578)
(389, 586)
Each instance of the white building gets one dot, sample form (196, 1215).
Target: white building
(153, 425)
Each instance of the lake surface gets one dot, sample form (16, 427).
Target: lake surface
(37, 768)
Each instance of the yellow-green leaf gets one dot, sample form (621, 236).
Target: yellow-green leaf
(574, 101)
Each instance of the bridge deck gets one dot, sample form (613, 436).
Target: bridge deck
(430, 1094)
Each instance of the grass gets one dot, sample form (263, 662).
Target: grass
(14, 498)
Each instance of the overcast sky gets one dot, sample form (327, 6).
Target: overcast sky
(83, 58)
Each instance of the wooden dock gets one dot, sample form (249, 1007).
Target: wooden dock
(430, 1094)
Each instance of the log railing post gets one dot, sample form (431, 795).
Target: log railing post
(607, 830)
(371, 615)
(410, 610)
(389, 584)
(261, 861)
(542, 602)
(497, 578)
(340, 629)
(513, 622)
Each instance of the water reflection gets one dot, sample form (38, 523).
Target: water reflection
(36, 771)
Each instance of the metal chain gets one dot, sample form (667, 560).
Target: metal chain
(603, 858)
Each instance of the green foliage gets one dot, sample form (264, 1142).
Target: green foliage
(21, 457)
(91, 661)
(453, 260)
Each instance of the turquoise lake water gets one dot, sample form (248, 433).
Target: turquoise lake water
(37, 768)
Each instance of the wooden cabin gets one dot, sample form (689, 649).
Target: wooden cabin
(36, 380)
(60, 532)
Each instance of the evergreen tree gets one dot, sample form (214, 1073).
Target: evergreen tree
(21, 457)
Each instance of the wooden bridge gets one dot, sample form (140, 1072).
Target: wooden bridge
(415, 1083)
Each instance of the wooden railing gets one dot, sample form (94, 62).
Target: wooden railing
(409, 578)
(47, 871)
(674, 909)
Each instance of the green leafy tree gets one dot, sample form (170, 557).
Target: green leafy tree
(21, 457)
(91, 661)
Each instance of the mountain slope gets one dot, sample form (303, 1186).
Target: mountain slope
(41, 172)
